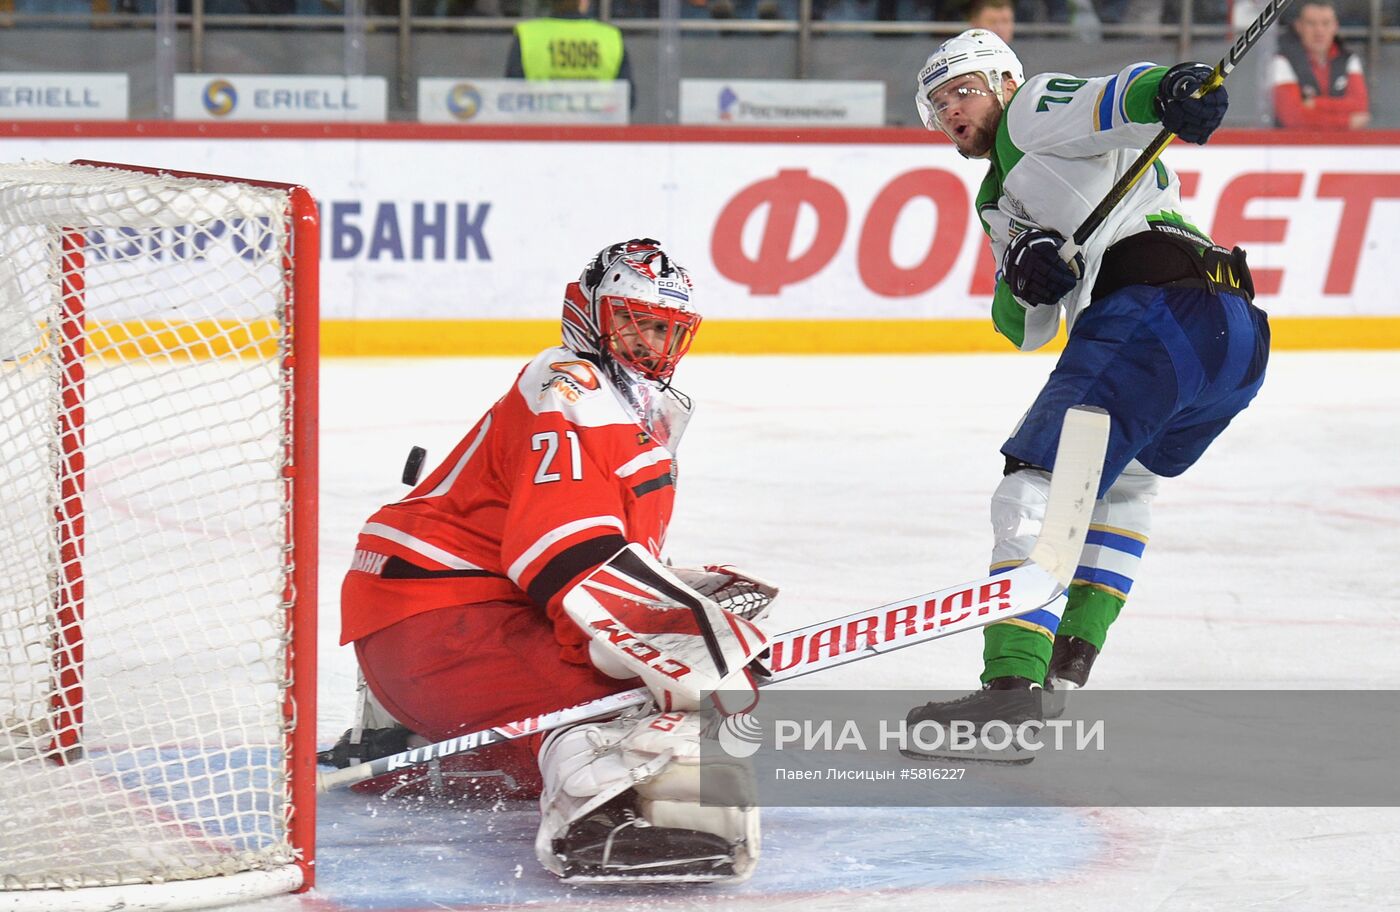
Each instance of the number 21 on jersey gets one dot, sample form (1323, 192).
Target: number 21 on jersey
(549, 442)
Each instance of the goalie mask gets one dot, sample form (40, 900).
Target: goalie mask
(974, 51)
(633, 305)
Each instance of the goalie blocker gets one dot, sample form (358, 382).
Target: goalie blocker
(621, 798)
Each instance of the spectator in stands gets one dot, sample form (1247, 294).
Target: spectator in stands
(381, 7)
(72, 6)
(1145, 12)
(996, 16)
(569, 44)
(842, 10)
(1042, 11)
(1203, 12)
(1317, 82)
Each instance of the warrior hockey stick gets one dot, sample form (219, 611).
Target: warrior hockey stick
(1035, 584)
(1144, 161)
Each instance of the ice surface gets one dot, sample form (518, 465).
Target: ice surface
(856, 481)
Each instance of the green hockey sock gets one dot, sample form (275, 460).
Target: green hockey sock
(1011, 649)
(1088, 614)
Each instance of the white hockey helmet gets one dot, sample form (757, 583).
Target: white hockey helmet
(974, 51)
(633, 304)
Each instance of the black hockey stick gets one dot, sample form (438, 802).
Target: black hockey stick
(1143, 163)
(1035, 584)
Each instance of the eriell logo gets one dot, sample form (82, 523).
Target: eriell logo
(463, 101)
(220, 98)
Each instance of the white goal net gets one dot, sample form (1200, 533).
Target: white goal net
(157, 548)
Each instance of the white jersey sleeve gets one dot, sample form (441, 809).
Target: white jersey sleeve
(1071, 117)
(1061, 146)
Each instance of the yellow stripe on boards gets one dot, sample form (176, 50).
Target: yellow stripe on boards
(716, 337)
(1317, 333)
(198, 341)
(848, 337)
(436, 338)
(791, 337)
(455, 338)
(140, 340)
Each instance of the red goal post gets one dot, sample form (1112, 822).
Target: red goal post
(158, 504)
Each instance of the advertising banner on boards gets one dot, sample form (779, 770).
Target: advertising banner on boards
(227, 97)
(520, 101)
(442, 228)
(783, 102)
(63, 96)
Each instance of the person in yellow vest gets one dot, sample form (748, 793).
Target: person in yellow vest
(569, 44)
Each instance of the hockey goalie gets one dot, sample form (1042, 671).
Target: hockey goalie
(523, 575)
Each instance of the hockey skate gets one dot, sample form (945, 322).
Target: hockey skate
(371, 744)
(1070, 663)
(615, 842)
(376, 733)
(1004, 703)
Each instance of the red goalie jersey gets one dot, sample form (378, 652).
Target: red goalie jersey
(454, 596)
(557, 477)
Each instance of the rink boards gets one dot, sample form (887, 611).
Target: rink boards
(453, 240)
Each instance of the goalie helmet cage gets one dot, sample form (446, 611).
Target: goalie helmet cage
(158, 420)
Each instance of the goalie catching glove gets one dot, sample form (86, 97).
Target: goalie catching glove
(643, 621)
(733, 590)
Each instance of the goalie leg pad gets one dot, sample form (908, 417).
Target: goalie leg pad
(621, 802)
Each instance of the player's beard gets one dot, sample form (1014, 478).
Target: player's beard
(978, 141)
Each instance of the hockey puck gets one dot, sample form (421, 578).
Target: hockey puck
(413, 465)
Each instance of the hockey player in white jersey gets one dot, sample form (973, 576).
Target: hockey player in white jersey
(1162, 331)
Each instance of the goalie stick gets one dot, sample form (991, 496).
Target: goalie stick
(1035, 584)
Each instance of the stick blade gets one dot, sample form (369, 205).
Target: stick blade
(1074, 487)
